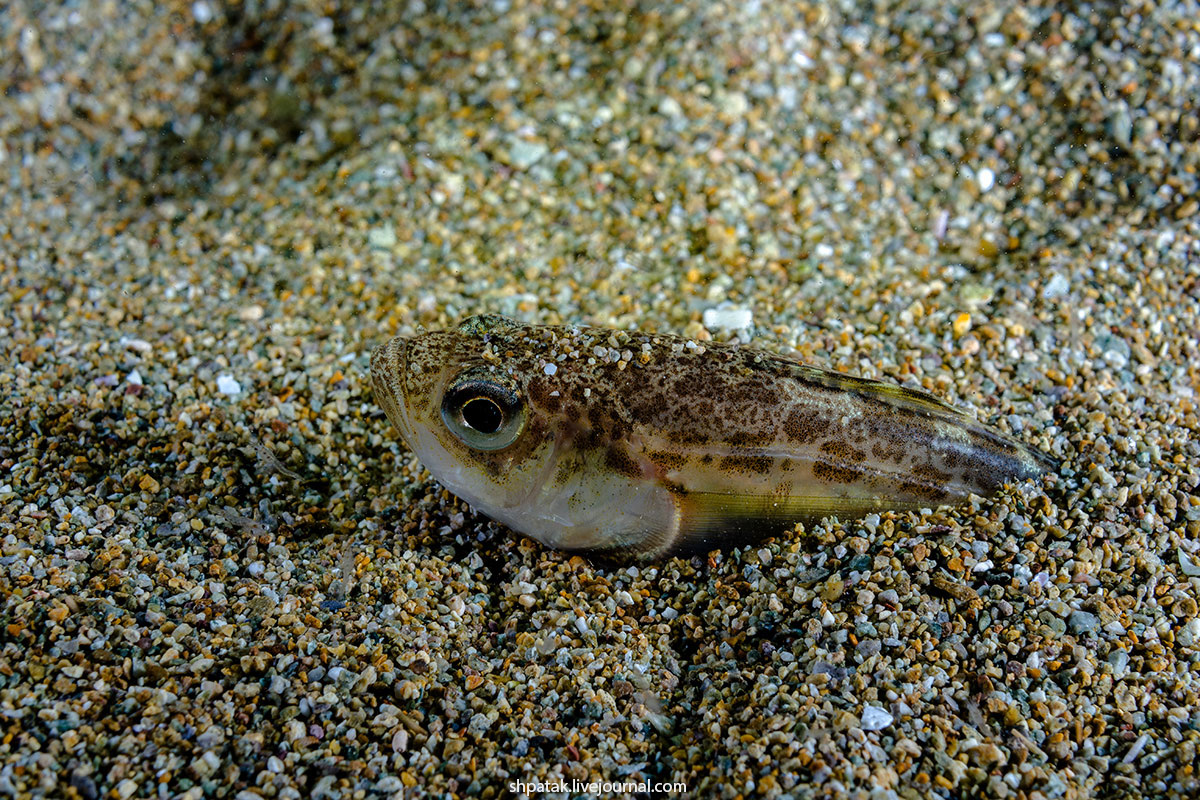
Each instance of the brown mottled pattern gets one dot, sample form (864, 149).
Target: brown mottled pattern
(738, 433)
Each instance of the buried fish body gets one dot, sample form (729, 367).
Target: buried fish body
(644, 445)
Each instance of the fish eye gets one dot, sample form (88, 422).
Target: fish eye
(484, 414)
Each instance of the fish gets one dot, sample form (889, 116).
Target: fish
(642, 446)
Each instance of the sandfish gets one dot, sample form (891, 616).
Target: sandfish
(642, 446)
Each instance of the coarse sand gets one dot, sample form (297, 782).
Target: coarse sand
(224, 576)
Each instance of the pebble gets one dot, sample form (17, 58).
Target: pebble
(962, 324)
(875, 718)
(1136, 749)
(1082, 623)
(729, 318)
(986, 178)
(382, 238)
(226, 384)
(1120, 664)
(1056, 287)
(523, 154)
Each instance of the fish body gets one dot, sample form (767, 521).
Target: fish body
(644, 445)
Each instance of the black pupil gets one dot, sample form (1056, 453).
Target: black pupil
(482, 414)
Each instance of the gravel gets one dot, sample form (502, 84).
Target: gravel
(224, 576)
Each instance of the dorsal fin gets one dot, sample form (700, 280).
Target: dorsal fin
(892, 394)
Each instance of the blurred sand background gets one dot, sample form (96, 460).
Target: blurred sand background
(224, 576)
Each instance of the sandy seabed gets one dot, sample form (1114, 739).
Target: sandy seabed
(223, 575)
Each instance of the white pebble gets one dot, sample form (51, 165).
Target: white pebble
(390, 784)
(550, 368)
(524, 154)
(941, 224)
(1188, 565)
(137, 345)
(986, 178)
(1056, 287)
(875, 718)
(134, 378)
(293, 730)
(227, 385)
(734, 104)
(382, 238)
(206, 764)
(1136, 750)
(729, 318)
(669, 107)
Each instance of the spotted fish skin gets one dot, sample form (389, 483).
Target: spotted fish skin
(644, 445)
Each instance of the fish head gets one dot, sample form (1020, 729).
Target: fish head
(466, 411)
